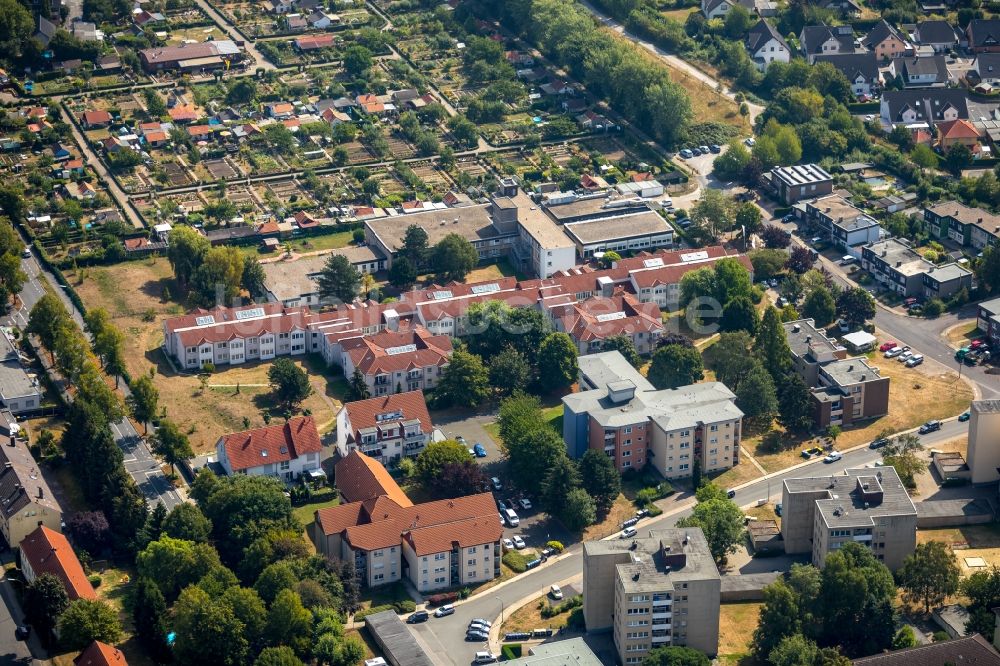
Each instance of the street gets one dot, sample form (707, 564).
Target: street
(139, 461)
(445, 637)
(13, 651)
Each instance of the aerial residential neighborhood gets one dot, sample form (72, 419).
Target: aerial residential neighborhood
(550, 333)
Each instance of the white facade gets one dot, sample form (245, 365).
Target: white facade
(770, 51)
(287, 470)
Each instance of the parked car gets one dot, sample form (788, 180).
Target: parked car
(914, 360)
(878, 443)
(704, 150)
(687, 154)
(485, 658)
(508, 544)
(26, 253)
(418, 616)
(472, 452)
(519, 543)
(750, 142)
(696, 151)
(930, 426)
(684, 222)
(964, 416)
(477, 636)
(777, 509)
(976, 344)
(894, 352)
(480, 621)
(731, 493)
(512, 520)
(496, 483)
(886, 346)
(447, 609)
(809, 453)
(788, 218)
(904, 357)
(479, 450)
(715, 148)
(22, 632)
(556, 592)
(477, 628)
(833, 456)
(525, 503)
(628, 533)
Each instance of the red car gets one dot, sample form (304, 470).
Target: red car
(976, 344)
(886, 346)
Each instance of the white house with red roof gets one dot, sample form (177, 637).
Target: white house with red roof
(434, 545)
(589, 323)
(284, 450)
(408, 359)
(386, 428)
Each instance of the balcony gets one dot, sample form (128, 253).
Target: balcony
(660, 640)
(665, 615)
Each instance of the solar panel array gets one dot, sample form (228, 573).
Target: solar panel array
(249, 314)
(610, 316)
(402, 349)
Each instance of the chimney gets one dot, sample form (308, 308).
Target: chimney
(13, 440)
(898, 264)
(41, 492)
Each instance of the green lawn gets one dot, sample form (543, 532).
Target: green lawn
(304, 513)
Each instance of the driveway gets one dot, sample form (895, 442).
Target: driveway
(13, 651)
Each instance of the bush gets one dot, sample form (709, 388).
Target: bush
(571, 603)
(515, 561)
(933, 308)
(940, 636)
(511, 651)
(401, 607)
(576, 619)
(556, 546)
(95, 580)
(443, 598)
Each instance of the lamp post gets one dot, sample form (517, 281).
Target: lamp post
(501, 608)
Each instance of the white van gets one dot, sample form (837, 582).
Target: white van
(847, 260)
(511, 517)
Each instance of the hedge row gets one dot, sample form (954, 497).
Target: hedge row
(404, 606)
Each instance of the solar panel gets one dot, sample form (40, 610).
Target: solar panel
(205, 321)
(653, 263)
(610, 316)
(490, 288)
(403, 349)
(438, 295)
(388, 416)
(249, 314)
(694, 256)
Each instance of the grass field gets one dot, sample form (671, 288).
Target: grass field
(737, 623)
(529, 617)
(970, 541)
(304, 513)
(963, 334)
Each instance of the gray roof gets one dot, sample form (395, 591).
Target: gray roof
(929, 104)
(853, 64)
(922, 66)
(396, 641)
(570, 652)
(21, 481)
(986, 406)
(607, 367)
(983, 32)
(14, 380)
(803, 338)
(287, 280)
(591, 207)
(948, 272)
(617, 228)
(643, 567)
(802, 174)
(848, 371)
(899, 256)
(881, 32)
(761, 34)
(812, 38)
(470, 222)
(853, 498)
(970, 650)
(935, 32)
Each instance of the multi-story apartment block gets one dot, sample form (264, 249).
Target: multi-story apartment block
(594, 320)
(988, 319)
(844, 390)
(868, 506)
(795, 183)
(899, 268)
(636, 425)
(984, 443)
(967, 226)
(282, 450)
(656, 590)
(386, 428)
(394, 361)
(847, 225)
(434, 545)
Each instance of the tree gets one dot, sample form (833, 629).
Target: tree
(45, 599)
(557, 364)
(731, 358)
(171, 444)
(454, 257)
(730, 165)
(624, 345)
(903, 454)
(795, 411)
(715, 211)
(739, 314)
(800, 260)
(47, 318)
(149, 616)
(820, 307)
(794, 650)
(357, 61)
(144, 400)
(856, 306)
(674, 366)
(924, 157)
(930, 574)
(16, 25)
(402, 273)
(207, 631)
(175, 563)
(756, 395)
(957, 158)
(674, 655)
(289, 623)
(775, 237)
(700, 283)
(509, 371)
(357, 388)
(779, 618)
(338, 279)
(722, 523)
(464, 382)
(415, 245)
(733, 280)
(749, 217)
(560, 478)
(186, 251)
(855, 598)
(290, 382)
(254, 279)
(530, 442)
(186, 521)
(90, 531)
(155, 105)
(600, 478)
(87, 620)
(278, 656)
(579, 510)
(771, 346)
(737, 22)
(431, 462)
(904, 638)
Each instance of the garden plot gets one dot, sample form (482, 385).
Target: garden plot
(242, 197)
(288, 191)
(471, 167)
(559, 154)
(195, 35)
(220, 169)
(357, 153)
(176, 174)
(609, 149)
(399, 148)
(431, 175)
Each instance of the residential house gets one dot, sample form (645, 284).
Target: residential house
(434, 545)
(983, 35)
(885, 41)
(81, 191)
(921, 71)
(937, 34)
(986, 68)
(321, 20)
(958, 132)
(720, 8)
(100, 654)
(295, 23)
(641, 588)
(988, 321)
(410, 359)
(766, 45)
(860, 69)
(795, 183)
(634, 424)
(869, 506)
(843, 390)
(846, 7)
(95, 119)
(922, 107)
(386, 428)
(27, 500)
(46, 551)
(972, 649)
(86, 31)
(967, 226)
(287, 450)
(592, 321)
(815, 40)
(45, 31)
(314, 42)
(894, 263)
(213, 54)
(280, 110)
(946, 280)
(145, 19)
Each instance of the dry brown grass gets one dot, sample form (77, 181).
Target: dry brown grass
(737, 623)
(529, 617)
(679, 15)
(744, 472)
(764, 512)
(969, 541)
(963, 334)
(621, 510)
(956, 445)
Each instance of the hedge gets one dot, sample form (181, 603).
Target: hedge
(515, 561)
(404, 606)
(511, 651)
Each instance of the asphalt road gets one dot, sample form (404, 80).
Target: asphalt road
(445, 637)
(139, 461)
(13, 651)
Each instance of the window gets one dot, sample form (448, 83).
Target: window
(285, 465)
(439, 556)
(628, 430)
(472, 562)
(378, 576)
(472, 549)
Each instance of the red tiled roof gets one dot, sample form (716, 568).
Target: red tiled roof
(272, 444)
(281, 107)
(314, 42)
(155, 136)
(96, 117)
(136, 243)
(958, 129)
(584, 323)
(410, 405)
(48, 551)
(360, 477)
(199, 130)
(100, 654)
(74, 164)
(270, 227)
(183, 112)
(369, 354)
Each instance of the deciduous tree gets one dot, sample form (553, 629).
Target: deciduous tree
(464, 382)
(454, 257)
(557, 364)
(87, 620)
(722, 523)
(171, 444)
(289, 381)
(144, 400)
(674, 366)
(600, 478)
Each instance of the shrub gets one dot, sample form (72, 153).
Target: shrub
(576, 619)
(556, 546)
(646, 497)
(400, 607)
(95, 580)
(511, 651)
(940, 636)
(443, 598)
(515, 561)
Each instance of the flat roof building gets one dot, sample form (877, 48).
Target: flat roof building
(621, 233)
(666, 578)
(198, 55)
(984, 440)
(869, 506)
(394, 638)
(293, 282)
(569, 652)
(20, 392)
(806, 181)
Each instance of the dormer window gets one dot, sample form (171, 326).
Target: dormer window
(263, 454)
